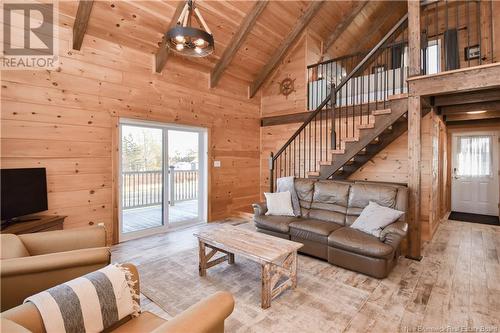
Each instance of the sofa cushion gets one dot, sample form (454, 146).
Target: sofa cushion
(331, 192)
(327, 215)
(330, 201)
(314, 230)
(361, 194)
(274, 223)
(356, 241)
(279, 203)
(374, 218)
(12, 247)
(304, 189)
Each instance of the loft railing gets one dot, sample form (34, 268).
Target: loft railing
(145, 188)
(350, 99)
(454, 35)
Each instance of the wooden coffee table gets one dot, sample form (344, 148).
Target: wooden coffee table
(277, 256)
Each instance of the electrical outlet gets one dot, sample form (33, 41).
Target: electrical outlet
(216, 164)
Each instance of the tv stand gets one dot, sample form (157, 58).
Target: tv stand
(31, 224)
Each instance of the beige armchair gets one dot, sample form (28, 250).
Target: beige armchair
(31, 263)
(206, 316)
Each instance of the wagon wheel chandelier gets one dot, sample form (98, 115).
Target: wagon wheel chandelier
(188, 40)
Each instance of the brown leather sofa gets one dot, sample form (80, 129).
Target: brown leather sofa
(206, 316)
(328, 208)
(31, 263)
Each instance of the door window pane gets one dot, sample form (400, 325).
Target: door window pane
(184, 176)
(474, 158)
(142, 178)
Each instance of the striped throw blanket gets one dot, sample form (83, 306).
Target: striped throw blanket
(91, 303)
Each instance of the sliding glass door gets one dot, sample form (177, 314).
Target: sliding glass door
(163, 173)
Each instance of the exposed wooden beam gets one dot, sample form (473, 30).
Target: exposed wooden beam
(459, 80)
(346, 21)
(471, 107)
(287, 43)
(81, 22)
(471, 123)
(475, 116)
(414, 135)
(236, 42)
(467, 97)
(163, 52)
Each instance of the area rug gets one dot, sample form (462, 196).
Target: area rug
(326, 299)
(474, 218)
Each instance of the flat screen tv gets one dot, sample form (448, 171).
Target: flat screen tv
(24, 191)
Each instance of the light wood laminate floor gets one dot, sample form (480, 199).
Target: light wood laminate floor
(456, 285)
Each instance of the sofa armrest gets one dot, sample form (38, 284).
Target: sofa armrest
(9, 326)
(26, 316)
(64, 240)
(259, 208)
(26, 276)
(206, 316)
(394, 233)
(54, 261)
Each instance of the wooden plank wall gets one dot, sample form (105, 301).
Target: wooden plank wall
(64, 120)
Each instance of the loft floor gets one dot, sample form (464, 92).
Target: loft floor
(457, 283)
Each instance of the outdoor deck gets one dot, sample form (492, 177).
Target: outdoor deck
(135, 219)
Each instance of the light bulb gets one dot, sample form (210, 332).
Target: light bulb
(180, 39)
(179, 47)
(199, 42)
(197, 50)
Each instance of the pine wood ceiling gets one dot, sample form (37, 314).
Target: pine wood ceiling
(141, 24)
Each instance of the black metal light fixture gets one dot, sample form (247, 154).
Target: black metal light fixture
(188, 40)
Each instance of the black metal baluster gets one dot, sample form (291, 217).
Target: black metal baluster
(310, 127)
(386, 78)
(315, 140)
(491, 31)
(479, 38)
(467, 15)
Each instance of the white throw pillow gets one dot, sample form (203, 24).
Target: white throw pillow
(279, 203)
(374, 218)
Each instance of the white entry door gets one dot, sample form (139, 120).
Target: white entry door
(475, 187)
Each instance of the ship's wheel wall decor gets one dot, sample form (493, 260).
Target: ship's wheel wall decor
(287, 86)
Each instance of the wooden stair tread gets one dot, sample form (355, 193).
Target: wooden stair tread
(397, 96)
(352, 139)
(366, 126)
(381, 112)
(325, 162)
(313, 174)
(337, 151)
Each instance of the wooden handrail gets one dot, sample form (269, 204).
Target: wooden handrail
(361, 65)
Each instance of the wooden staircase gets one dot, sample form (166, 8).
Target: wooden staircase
(363, 114)
(388, 125)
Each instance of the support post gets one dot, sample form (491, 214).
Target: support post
(414, 134)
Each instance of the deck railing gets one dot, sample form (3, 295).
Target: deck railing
(145, 188)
